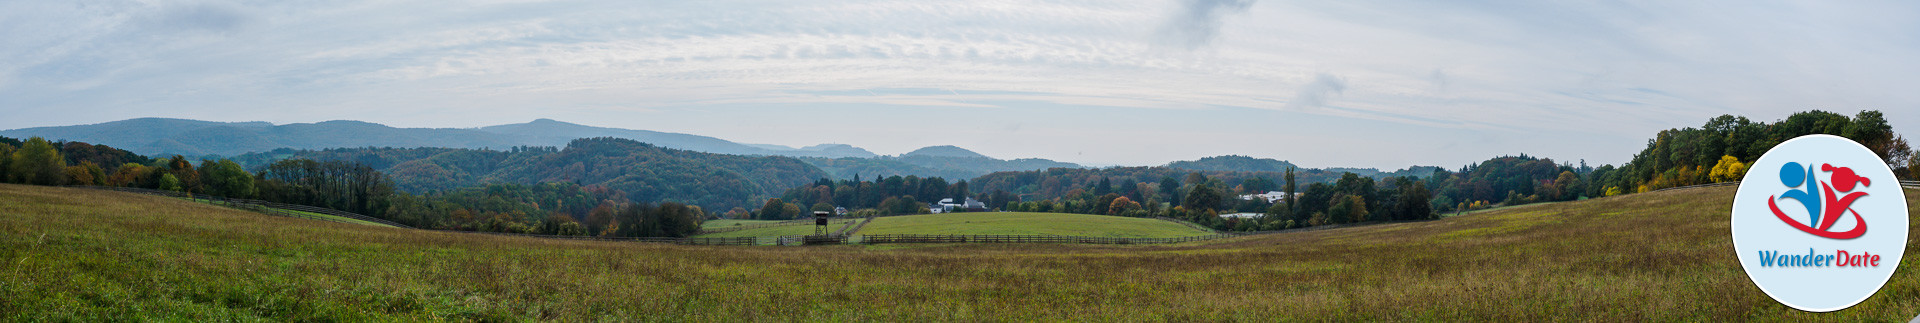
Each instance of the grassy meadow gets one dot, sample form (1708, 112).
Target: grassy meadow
(775, 231)
(1065, 224)
(69, 254)
(725, 223)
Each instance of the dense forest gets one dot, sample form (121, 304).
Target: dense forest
(1236, 163)
(1688, 156)
(619, 187)
(645, 172)
(562, 208)
(928, 166)
(1199, 190)
(892, 195)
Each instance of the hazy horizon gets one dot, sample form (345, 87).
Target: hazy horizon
(1377, 84)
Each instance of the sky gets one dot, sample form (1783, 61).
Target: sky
(1362, 83)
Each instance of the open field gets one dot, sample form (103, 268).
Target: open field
(775, 231)
(97, 255)
(724, 223)
(318, 215)
(1016, 223)
(336, 218)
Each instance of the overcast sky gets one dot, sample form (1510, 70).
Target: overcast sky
(1359, 83)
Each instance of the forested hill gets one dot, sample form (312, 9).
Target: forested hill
(1062, 182)
(1236, 163)
(1688, 156)
(646, 172)
(943, 151)
(929, 166)
(162, 136)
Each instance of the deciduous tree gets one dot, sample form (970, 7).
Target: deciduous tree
(37, 163)
(1728, 169)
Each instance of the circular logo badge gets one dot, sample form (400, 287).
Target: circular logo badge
(1820, 223)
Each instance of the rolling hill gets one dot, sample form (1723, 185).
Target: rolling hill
(1664, 256)
(647, 173)
(1024, 223)
(1236, 163)
(996, 223)
(163, 136)
(949, 162)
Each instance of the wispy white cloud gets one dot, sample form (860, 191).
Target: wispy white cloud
(1609, 73)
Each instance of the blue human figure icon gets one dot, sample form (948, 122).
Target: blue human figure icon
(1793, 177)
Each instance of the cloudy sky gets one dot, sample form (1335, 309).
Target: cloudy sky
(1323, 83)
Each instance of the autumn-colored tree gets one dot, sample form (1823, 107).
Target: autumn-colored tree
(600, 221)
(790, 211)
(1569, 186)
(131, 175)
(1913, 166)
(1122, 205)
(1729, 169)
(774, 209)
(37, 163)
(183, 171)
(86, 173)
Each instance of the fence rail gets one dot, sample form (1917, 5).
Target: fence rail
(1188, 224)
(806, 221)
(1911, 184)
(854, 227)
(1733, 183)
(734, 241)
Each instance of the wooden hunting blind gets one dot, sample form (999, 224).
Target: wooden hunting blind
(820, 222)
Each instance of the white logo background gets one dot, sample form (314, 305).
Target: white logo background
(1756, 228)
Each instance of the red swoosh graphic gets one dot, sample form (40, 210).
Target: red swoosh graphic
(1859, 227)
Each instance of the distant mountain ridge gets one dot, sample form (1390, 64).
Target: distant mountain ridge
(165, 136)
(942, 151)
(1237, 163)
(645, 172)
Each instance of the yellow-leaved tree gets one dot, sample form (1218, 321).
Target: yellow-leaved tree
(1729, 169)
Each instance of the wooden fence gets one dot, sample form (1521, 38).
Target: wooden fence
(854, 227)
(1196, 226)
(1733, 183)
(806, 221)
(735, 241)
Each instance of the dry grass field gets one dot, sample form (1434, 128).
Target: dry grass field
(69, 254)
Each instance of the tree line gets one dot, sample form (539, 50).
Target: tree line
(1721, 148)
(1716, 152)
(891, 195)
(560, 208)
